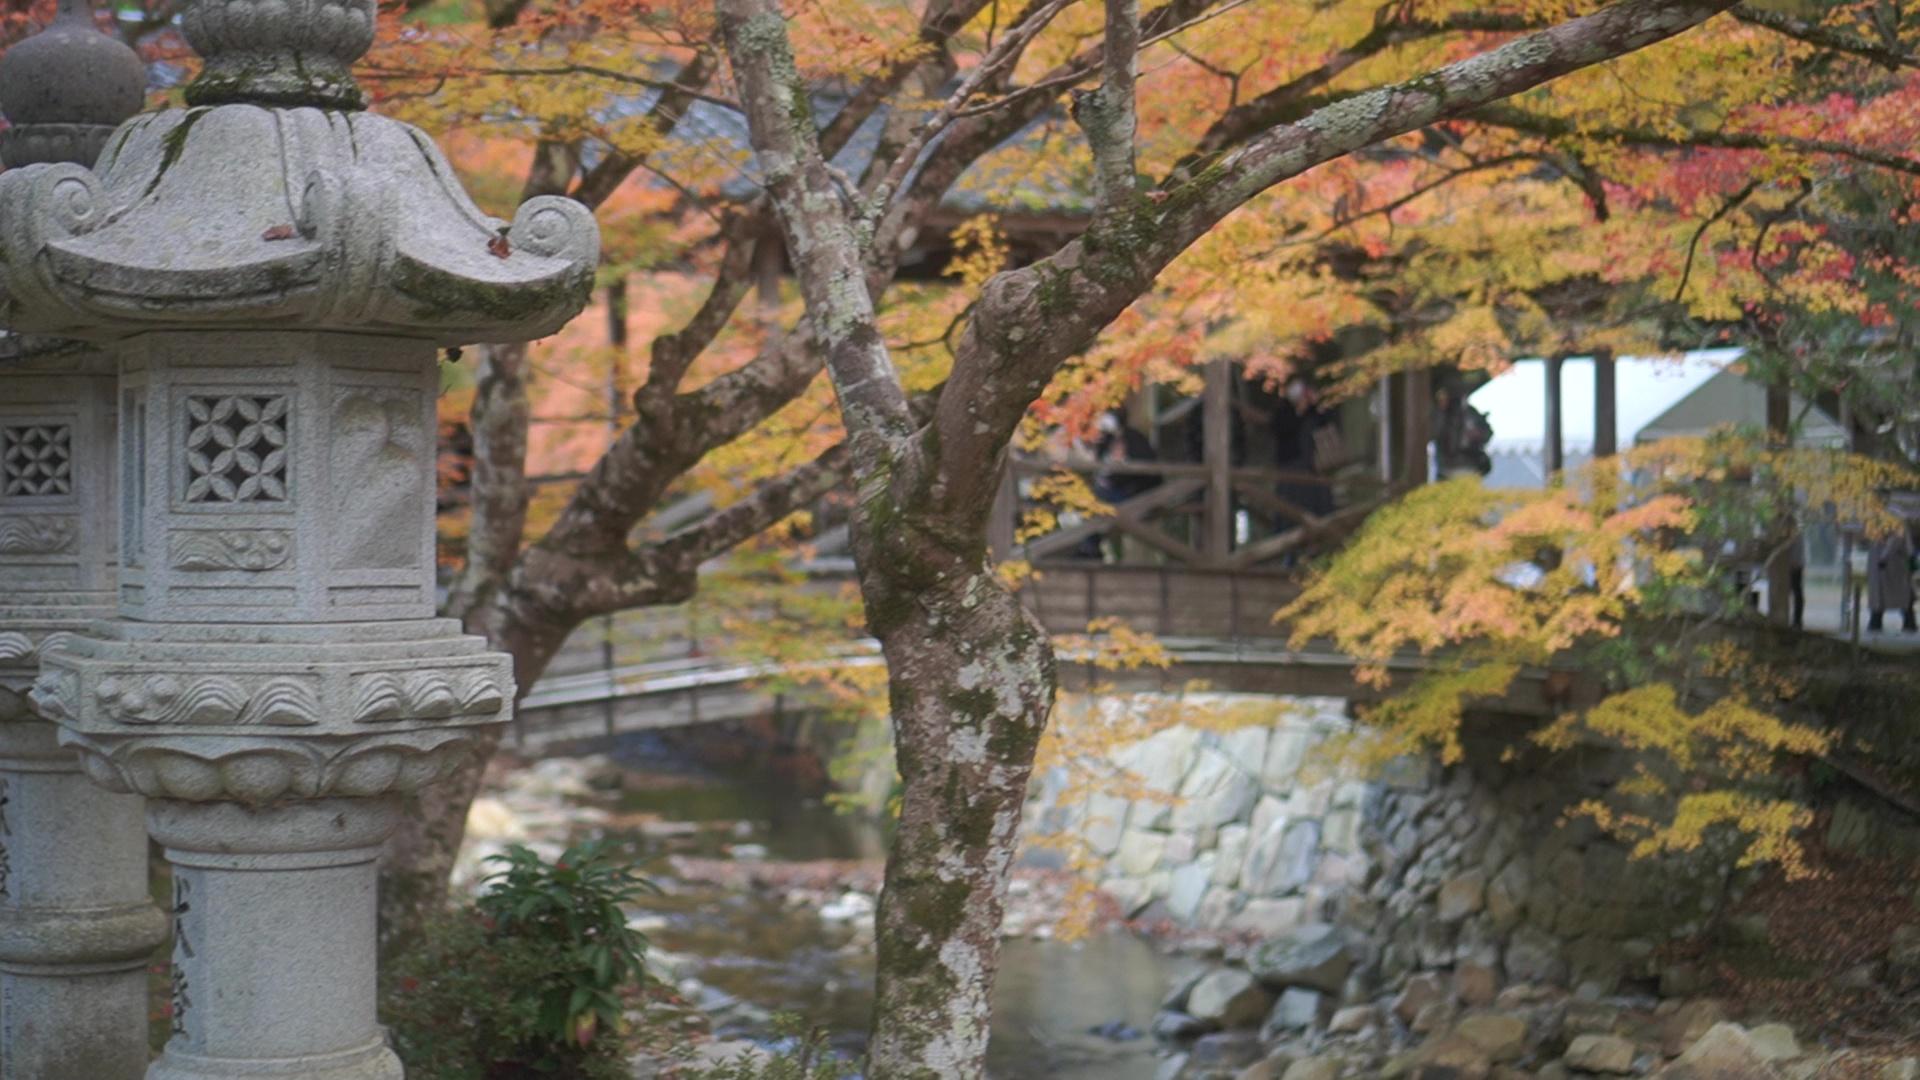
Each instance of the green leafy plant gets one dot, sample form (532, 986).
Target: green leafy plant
(807, 1057)
(575, 907)
(527, 981)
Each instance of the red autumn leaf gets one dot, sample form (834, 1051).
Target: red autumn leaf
(498, 247)
(279, 232)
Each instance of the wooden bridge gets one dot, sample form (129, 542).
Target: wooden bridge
(1215, 626)
(1199, 554)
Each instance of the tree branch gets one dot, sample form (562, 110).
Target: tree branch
(1516, 119)
(1162, 24)
(821, 241)
(1029, 321)
(674, 431)
(1826, 37)
(1289, 101)
(770, 503)
(672, 354)
(664, 118)
(998, 59)
(1108, 115)
(498, 422)
(978, 131)
(1693, 246)
(668, 570)
(376, 72)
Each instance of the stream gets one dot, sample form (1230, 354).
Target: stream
(777, 918)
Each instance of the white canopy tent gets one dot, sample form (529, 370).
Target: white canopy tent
(1656, 397)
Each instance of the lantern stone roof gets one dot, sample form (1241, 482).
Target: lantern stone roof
(248, 216)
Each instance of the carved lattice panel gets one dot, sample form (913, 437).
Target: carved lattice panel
(37, 459)
(237, 448)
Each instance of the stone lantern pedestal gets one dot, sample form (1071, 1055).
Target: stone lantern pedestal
(274, 271)
(76, 926)
(262, 897)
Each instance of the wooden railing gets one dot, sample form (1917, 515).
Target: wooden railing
(1201, 502)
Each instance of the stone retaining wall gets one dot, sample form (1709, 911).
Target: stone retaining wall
(1241, 831)
(1476, 866)
(1486, 872)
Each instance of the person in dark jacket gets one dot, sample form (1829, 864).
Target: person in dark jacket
(1890, 581)
(1460, 431)
(1119, 443)
(1296, 419)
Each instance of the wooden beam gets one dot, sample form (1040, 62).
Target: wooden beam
(1556, 448)
(1272, 547)
(1383, 403)
(1002, 524)
(1416, 414)
(1217, 429)
(1606, 405)
(1133, 510)
(1181, 470)
(1260, 498)
(1781, 540)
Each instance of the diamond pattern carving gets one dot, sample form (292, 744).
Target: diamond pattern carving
(237, 448)
(38, 459)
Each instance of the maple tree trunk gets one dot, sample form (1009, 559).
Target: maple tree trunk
(417, 859)
(970, 675)
(971, 682)
(419, 855)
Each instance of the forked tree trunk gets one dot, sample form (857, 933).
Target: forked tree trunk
(971, 682)
(417, 861)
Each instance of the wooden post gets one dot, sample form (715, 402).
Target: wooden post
(1000, 525)
(616, 361)
(1384, 403)
(1216, 420)
(1781, 539)
(1556, 448)
(1846, 532)
(1416, 417)
(1606, 407)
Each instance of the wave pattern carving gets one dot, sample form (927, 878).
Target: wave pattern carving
(230, 549)
(389, 696)
(164, 699)
(37, 534)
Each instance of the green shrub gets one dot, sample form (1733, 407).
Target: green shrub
(806, 1057)
(526, 982)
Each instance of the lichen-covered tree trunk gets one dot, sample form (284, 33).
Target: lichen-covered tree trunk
(418, 858)
(419, 854)
(970, 675)
(971, 682)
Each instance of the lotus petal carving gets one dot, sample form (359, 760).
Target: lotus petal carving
(265, 768)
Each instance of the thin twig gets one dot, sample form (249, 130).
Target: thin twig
(1693, 245)
(668, 86)
(1007, 51)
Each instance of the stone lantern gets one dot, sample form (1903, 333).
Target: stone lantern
(76, 926)
(274, 269)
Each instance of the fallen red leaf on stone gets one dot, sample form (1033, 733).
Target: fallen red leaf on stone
(499, 247)
(279, 232)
